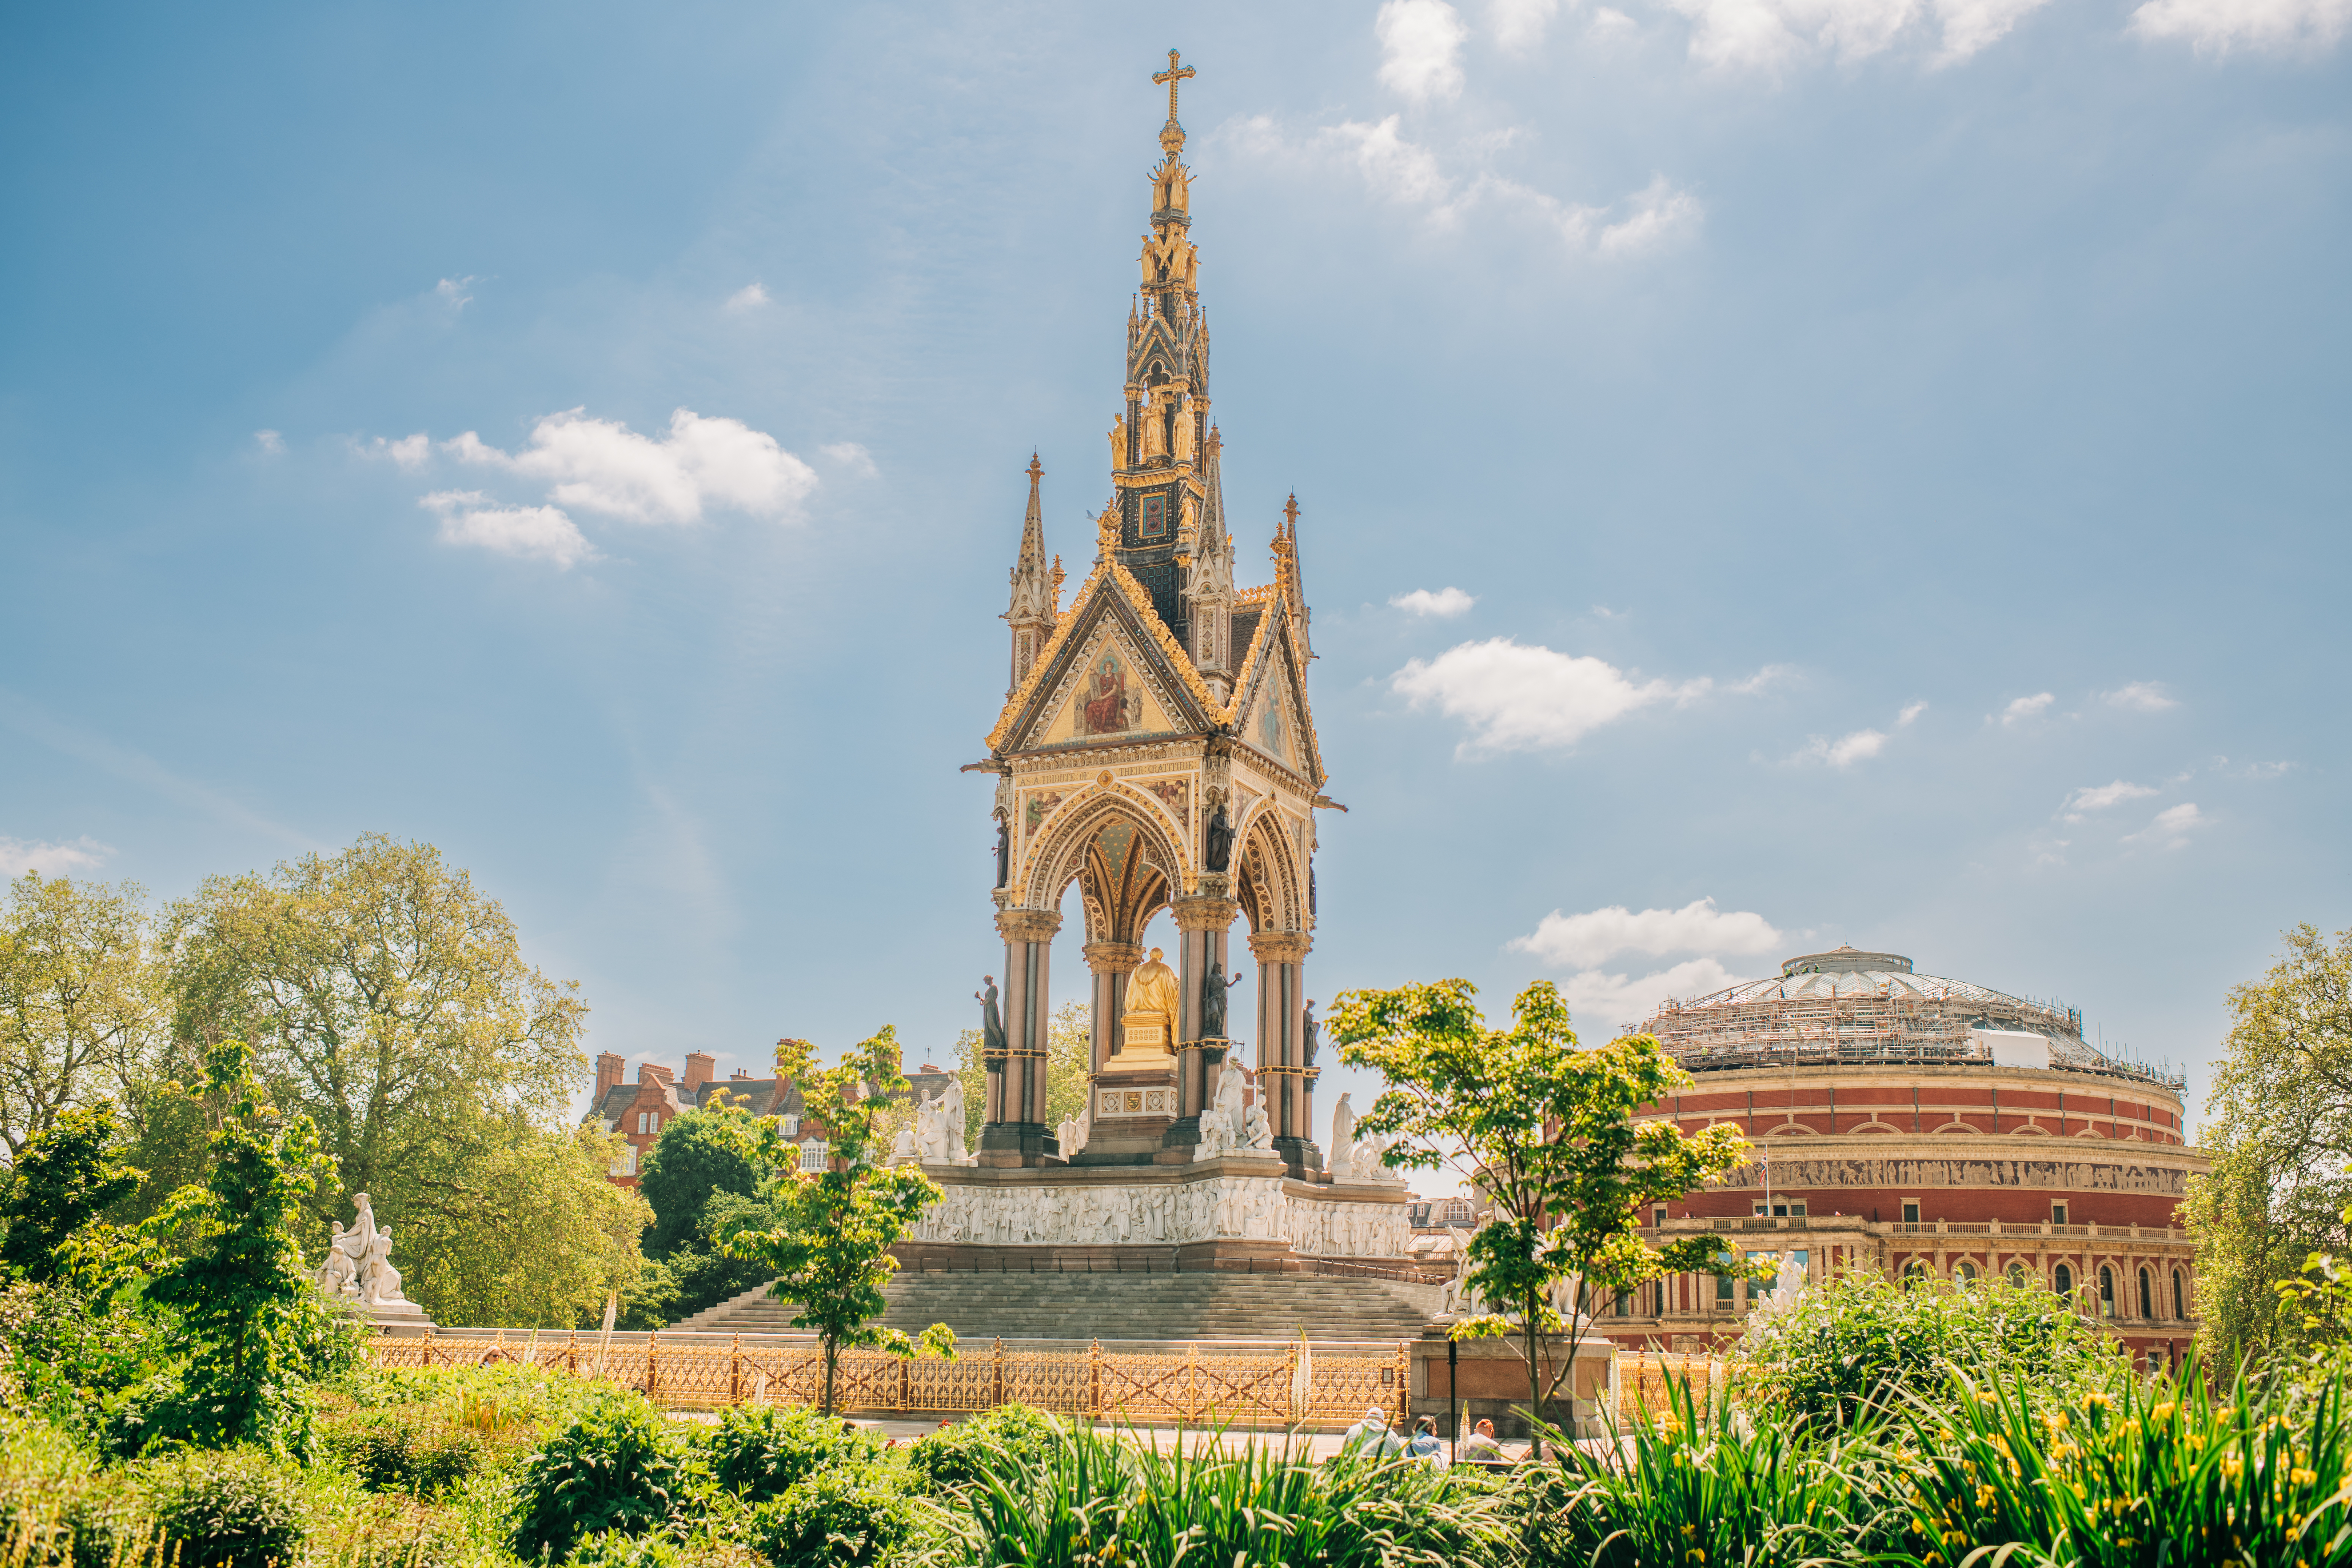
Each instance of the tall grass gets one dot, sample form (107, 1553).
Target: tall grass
(1697, 1482)
(2149, 1476)
(1097, 1501)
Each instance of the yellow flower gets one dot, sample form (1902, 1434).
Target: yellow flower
(1694, 1555)
(2302, 1478)
(2095, 1400)
(1985, 1496)
(1986, 1398)
(2058, 1422)
(2231, 1464)
(2164, 1411)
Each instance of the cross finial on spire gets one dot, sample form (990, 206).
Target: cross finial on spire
(1176, 72)
(1035, 468)
(1290, 512)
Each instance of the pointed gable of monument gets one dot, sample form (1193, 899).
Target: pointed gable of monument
(1111, 674)
(1270, 712)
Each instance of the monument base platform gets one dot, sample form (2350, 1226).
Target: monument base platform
(1240, 1210)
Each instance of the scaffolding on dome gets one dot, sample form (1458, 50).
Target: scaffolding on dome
(1914, 1019)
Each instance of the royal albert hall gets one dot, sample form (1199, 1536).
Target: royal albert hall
(1923, 1126)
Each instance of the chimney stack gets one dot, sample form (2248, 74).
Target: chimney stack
(699, 1066)
(609, 1071)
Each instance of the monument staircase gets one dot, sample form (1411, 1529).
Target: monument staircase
(1207, 1305)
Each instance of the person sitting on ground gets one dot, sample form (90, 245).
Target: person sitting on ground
(1423, 1447)
(1372, 1436)
(1480, 1446)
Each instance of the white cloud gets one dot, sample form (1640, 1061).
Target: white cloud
(1764, 680)
(1514, 697)
(750, 297)
(20, 855)
(2098, 797)
(1618, 1002)
(1844, 752)
(1910, 712)
(1971, 25)
(2170, 828)
(452, 291)
(602, 466)
(539, 532)
(1581, 942)
(851, 455)
(2026, 707)
(271, 443)
(1421, 49)
(409, 453)
(2217, 27)
(1610, 24)
(1401, 169)
(1519, 24)
(1661, 215)
(1445, 602)
(1412, 174)
(2140, 697)
(1774, 35)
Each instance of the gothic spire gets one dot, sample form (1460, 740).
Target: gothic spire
(1037, 588)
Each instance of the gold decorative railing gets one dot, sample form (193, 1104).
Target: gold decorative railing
(1292, 1384)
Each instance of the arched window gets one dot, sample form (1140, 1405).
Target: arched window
(2062, 1279)
(2146, 1296)
(2017, 1275)
(2180, 1296)
(2106, 1291)
(1964, 1272)
(1914, 1272)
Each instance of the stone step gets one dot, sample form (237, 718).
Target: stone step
(1206, 1305)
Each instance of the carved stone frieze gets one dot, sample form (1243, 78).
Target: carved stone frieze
(1963, 1170)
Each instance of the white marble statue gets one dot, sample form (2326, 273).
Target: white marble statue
(1257, 1133)
(903, 1151)
(1789, 1281)
(1343, 1137)
(358, 1265)
(952, 1120)
(1232, 1090)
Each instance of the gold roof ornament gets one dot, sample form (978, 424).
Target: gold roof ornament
(1171, 135)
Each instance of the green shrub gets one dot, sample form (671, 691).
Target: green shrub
(761, 1453)
(56, 1506)
(615, 1468)
(228, 1508)
(847, 1516)
(402, 1451)
(958, 1456)
(1860, 1343)
(67, 1357)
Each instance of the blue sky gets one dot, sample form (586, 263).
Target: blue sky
(1888, 458)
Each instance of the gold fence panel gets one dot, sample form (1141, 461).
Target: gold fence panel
(1247, 1386)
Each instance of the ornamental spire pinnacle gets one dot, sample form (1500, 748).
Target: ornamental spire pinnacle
(1037, 589)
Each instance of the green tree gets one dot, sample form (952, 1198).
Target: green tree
(829, 1242)
(55, 1198)
(1069, 1070)
(244, 1300)
(389, 1000)
(714, 1150)
(80, 1012)
(546, 1237)
(2281, 1138)
(1546, 1130)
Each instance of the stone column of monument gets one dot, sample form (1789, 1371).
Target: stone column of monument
(1203, 920)
(1110, 962)
(1283, 1085)
(1015, 1132)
